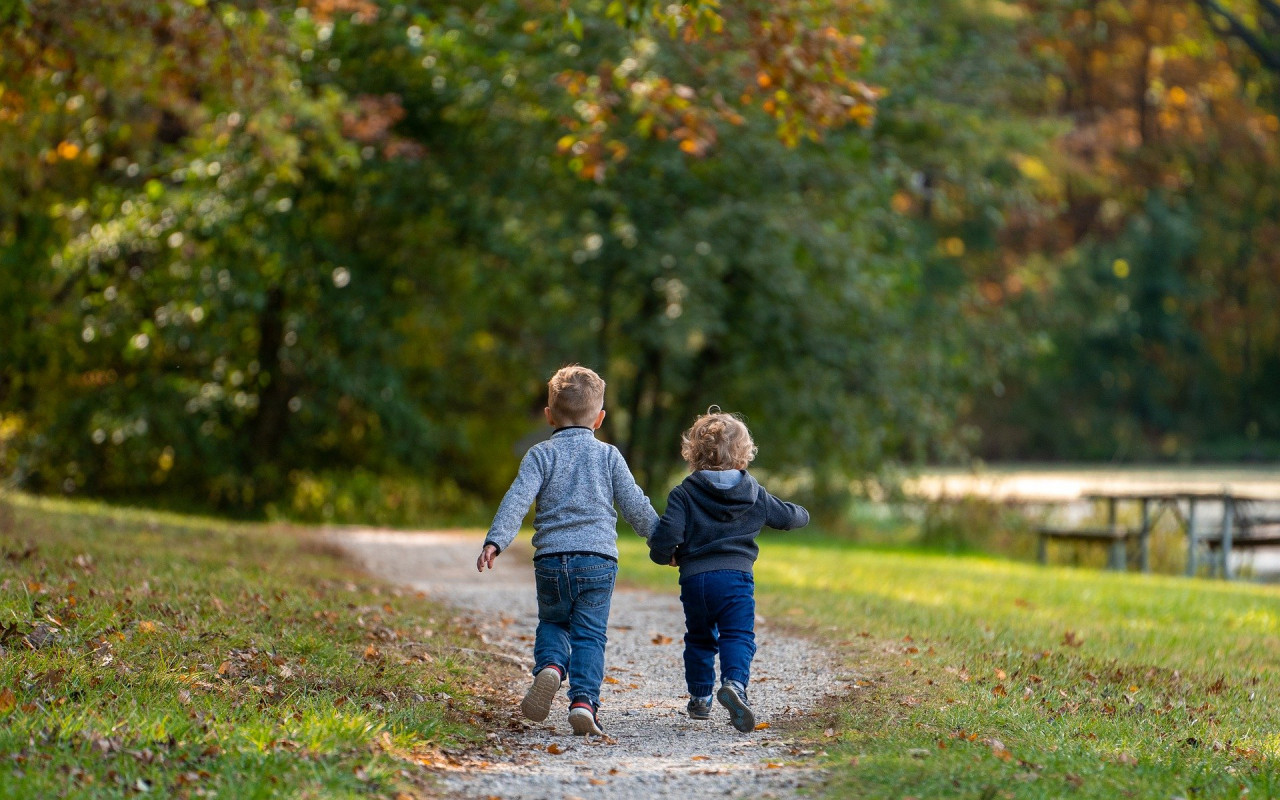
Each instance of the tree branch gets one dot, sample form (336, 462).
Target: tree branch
(1272, 7)
(1270, 58)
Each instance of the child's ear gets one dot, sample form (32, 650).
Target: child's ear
(550, 419)
(599, 421)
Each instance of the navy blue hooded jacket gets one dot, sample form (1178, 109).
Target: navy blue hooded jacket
(708, 527)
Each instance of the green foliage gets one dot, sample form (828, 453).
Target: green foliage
(355, 244)
(1168, 175)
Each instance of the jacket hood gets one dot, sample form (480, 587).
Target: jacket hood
(722, 504)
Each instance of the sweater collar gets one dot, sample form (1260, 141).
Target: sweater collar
(572, 430)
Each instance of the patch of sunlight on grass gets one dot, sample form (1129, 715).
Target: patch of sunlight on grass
(325, 730)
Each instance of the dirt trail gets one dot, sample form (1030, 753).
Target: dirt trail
(652, 750)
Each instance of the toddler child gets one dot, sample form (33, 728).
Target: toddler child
(575, 480)
(709, 530)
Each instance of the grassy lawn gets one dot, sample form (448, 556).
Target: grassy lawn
(977, 677)
(150, 653)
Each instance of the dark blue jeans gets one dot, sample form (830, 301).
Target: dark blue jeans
(574, 592)
(719, 616)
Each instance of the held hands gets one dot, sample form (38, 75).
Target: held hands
(487, 556)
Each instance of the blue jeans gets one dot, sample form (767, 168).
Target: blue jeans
(574, 592)
(719, 616)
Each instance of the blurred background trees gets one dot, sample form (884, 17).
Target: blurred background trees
(319, 258)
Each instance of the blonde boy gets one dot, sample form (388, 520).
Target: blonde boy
(709, 530)
(575, 480)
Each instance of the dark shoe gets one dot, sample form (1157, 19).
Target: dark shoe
(582, 718)
(699, 707)
(537, 701)
(733, 696)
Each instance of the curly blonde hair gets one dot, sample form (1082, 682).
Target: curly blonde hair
(575, 395)
(717, 440)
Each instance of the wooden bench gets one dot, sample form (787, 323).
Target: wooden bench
(1116, 538)
(1249, 535)
(1241, 529)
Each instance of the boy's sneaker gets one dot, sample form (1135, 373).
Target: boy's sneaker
(699, 707)
(733, 696)
(537, 701)
(582, 718)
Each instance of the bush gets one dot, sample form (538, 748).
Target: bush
(363, 497)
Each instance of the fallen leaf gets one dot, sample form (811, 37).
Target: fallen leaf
(184, 696)
(371, 653)
(999, 691)
(554, 749)
(1070, 639)
(146, 626)
(1126, 758)
(701, 758)
(761, 726)
(608, 679)
(41, 636)
(1001, 674)
(661, 639)
(7, 701)
(998, 749)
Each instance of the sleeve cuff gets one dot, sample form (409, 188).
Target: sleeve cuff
(488, 542)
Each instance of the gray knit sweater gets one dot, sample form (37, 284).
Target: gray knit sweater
(576, 479)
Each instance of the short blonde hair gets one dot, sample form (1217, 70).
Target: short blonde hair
(575, 395)
(717, 441)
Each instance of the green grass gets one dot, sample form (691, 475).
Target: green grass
(976, 677)
(150, 652)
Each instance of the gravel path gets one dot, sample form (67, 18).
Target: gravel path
(652, 750)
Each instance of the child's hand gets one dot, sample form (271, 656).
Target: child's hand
(673, 562)
(487, 555)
